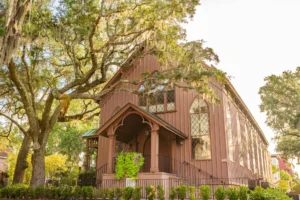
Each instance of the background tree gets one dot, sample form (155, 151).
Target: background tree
(71, 50)
(280, 100)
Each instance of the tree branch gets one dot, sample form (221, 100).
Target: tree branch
(75, 117)
(15, 122)
(30, 112)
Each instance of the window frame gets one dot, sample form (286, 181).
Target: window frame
(209, 131)
(165, 107)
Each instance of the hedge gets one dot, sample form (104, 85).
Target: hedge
(20, 191)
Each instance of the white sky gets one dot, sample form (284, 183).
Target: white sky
(253, 39)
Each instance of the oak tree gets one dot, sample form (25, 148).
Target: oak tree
(280, 100)
(70, 48)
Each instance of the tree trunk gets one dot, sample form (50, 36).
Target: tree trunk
(38, 167)
(22, 163)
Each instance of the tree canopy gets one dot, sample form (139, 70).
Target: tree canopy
(280, 100)
(66, 50)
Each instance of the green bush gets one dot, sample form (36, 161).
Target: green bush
(192, 190)
(77, 192)
(87, 192)
(137, 193)
(66, 192)
(172, 194)
(160, 192)
(119, 193)
(268, 194)
(127, 193)
(205, 191)
(111, 193)
(220, 193)
(257, 194)
(232, 193)
(103, 193)
(14, 191)
(128, 165)
(150, 192)
(181, 192)
(243, 193)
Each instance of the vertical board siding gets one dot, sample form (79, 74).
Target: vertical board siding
(219, 166)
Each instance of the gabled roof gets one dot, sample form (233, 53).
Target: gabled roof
(150, 116)
(117, 76)
(90, 133)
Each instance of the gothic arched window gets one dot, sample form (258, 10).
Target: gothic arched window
(200, 130)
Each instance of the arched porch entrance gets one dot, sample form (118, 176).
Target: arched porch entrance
(133, 129)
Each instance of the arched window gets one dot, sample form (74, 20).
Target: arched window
(159, 98)
(200, 130)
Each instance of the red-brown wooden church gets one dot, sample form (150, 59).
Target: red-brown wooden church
(179, 134)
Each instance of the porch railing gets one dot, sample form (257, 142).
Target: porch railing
(183, 170)
(100, 171)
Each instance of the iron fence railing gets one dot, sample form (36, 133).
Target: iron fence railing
(167, 184)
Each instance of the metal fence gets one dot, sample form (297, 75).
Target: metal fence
(167, 184)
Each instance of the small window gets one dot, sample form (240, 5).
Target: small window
(159, 98)
(170, 99)
(200, 130)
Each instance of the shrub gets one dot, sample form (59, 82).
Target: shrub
(137, 193)
(65, 193)
(111, 193)
(243, 193)
(205, 192)
(88, 192)
(232, 193)
(181, 191)
(172, 194)
(77, 192)
(127, 193)
(192, 192)
(103, 193)
(119, 193)
(274, 194)
(150, 191)
(128, 165)
(220, 193)
(160, 192)
(257, 194)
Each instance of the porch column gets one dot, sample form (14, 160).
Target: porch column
(154, 149)
(111, 149)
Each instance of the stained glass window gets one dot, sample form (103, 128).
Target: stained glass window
(200, 130)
